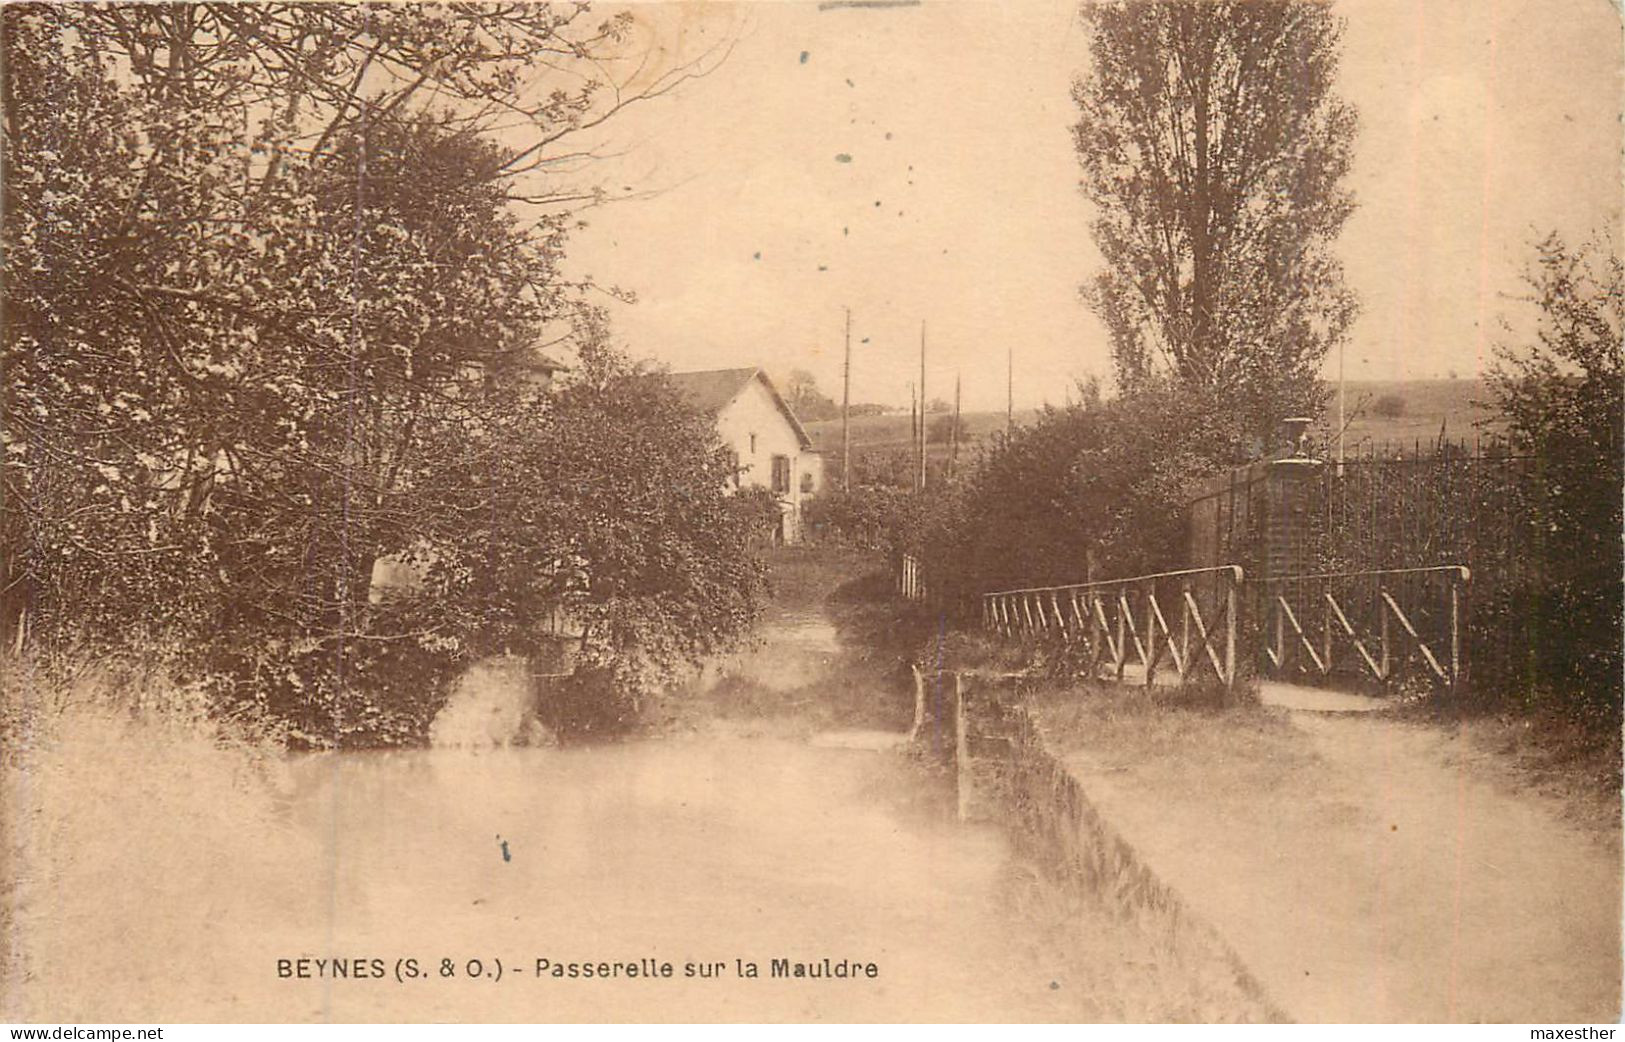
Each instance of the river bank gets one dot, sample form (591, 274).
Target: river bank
(1361, 868)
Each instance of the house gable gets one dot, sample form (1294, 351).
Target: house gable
(714, 390)
(771, 449)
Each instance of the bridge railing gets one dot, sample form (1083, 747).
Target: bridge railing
(1369, 624)
(1183, 621)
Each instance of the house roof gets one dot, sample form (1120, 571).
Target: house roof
(712, 390)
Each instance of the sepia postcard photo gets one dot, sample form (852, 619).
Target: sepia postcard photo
(822, 511)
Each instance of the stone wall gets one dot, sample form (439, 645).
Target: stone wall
(1006, 774)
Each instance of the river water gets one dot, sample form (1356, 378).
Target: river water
(714, 852)
(709, 853)
(438, 878)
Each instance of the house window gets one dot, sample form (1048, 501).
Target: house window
(806, 483)
(781, 474)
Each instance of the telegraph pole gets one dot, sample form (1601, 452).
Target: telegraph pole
(1342, 400)
(922, 405)
(953, 456)
(1010, 390)
(846, 410)
(913, 434)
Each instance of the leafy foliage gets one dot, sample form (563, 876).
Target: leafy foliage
(809, 403)
(1213, 147)
(1562, 396)
(873, 516)
(1095, 489)
(609, 501)
(242, 371)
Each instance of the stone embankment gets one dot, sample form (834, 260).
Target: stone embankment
(1005, 772)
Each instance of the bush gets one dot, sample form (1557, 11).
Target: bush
(1562, 399)
(1094, 489)
(610, 502)
(759, 510)
(1389, 406)
(873, 517)
(587, 704)
(941, 430)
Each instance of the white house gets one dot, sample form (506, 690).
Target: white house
(772, 448)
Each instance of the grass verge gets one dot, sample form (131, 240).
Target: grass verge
(1575, 767)
(135, 826)
(1225, 746)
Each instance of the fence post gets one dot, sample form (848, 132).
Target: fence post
(1122, 638)
(1326, 628)
(1382, 612)
(1184, 630)
(1150, 632)
(1456, 582)
(919, 702)
(961, 749)
(1094, 636)
(1231, 583)
(1280, 628)
(1097, 634)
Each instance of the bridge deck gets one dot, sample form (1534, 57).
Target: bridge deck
(1316, 699)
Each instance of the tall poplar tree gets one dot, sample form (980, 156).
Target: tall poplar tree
(1214, 148)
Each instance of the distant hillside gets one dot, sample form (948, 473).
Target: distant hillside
(1380, 411)
(892, 429)
(1407, 411)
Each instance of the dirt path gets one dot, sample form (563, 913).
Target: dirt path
(1365, 878)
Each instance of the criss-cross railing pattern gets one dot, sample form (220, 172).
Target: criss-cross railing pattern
(1374, 624)
(1380, 625)
(1185, 620)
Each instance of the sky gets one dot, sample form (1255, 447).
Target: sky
(915, 164)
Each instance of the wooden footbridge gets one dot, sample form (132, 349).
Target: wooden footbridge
(1213, 623)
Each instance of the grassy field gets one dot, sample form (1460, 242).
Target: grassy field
(1405, 412)
(1228, 751)
(892, 430)
(1577, 769)
(1379, 412)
